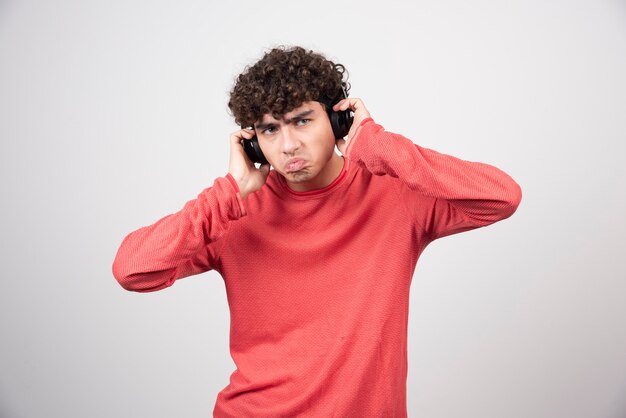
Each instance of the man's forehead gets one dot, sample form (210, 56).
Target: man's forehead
(304, 107)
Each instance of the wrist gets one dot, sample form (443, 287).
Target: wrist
(240, 185)
(356, 135)
(238, 193)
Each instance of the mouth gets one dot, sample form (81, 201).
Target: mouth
(294, 164)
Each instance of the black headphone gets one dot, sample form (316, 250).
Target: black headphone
(340, 122)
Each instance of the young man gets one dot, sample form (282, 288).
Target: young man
(318, 254)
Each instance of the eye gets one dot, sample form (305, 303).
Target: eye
(301, 122)
(269, 130)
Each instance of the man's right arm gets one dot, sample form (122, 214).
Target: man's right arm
(184, 243)
(181, 244)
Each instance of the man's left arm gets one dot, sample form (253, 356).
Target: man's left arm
(458, 195)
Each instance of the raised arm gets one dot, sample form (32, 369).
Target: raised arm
(454, 195)
(188, 241)
(181, 244)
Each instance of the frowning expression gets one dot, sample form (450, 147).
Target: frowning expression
(301, 146)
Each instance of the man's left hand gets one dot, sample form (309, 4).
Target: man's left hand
(360, 114)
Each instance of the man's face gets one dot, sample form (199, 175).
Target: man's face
(301, 146)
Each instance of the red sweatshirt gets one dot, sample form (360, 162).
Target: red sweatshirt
(318, 282)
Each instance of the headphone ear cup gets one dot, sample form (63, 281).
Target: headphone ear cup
(341, 122)
(253, 150)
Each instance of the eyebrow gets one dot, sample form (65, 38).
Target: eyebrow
(301, 115)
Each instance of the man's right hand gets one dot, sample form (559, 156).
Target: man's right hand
(248, 177)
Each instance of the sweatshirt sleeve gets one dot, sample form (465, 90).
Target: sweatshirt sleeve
(445, 194)
(181, 244)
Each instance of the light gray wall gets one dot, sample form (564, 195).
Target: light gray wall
(113, 114)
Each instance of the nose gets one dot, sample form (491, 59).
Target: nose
(290, 142)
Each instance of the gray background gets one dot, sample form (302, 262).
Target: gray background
(113, 114)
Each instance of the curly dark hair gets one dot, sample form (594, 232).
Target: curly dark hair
(282, 80)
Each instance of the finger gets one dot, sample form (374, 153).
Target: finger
(244, 132)
(248, 133)
(238, 136)
(339, 104)
(352, 104)
(344, 104)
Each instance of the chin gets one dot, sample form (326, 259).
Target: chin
(299, 176)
